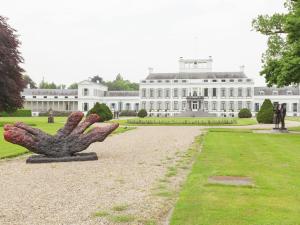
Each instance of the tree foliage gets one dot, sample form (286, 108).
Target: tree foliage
(73, 86)
(11, 80)
(29, 81)
(281, 61)
(47, 85)
(119, 84)
(101, 110)
(266, 112)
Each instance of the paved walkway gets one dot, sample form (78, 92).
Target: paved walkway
(128, 170)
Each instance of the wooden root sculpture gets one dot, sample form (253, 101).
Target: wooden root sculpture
(68, 141)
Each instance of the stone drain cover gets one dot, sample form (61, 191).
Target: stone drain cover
(231, 180)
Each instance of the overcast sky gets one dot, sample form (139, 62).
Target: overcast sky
(68, 41)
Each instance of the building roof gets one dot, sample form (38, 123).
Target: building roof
(200, 75)
(280, 91)
(48, 92)
(122, 93)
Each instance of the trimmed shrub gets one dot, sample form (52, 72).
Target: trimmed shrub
(18, 113)
(101, 110)
(128, 113)
(265, 114)
(142, 113)
(245, 113)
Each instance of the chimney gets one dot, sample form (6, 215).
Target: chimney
(242, 68)
(150, 70)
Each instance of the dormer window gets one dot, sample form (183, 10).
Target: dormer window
(275, 92)
(151, 81)
(223, 81)
(159, 81)
(214, 81)
(240, 80)
(167, 81)
(231, 80)
(261, 93)
(205, 81)
(143, 81)
(175, 81)
(289, 92)
(183, 81)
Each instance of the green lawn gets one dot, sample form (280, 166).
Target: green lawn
(271, 160)
(293, 118)
(10, 150)
(171, 121)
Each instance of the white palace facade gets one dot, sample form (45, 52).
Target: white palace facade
(195, 90)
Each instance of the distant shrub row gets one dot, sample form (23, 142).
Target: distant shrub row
(55, 113)
(128, 113)
(187, 122)
(18, 113)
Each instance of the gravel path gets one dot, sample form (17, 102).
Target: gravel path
(129, 167)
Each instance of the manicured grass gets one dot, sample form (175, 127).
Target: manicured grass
(271, 160)
(293, 118)
(154, 121)
(8, 150)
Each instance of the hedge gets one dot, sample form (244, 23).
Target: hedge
(128, 113)
(55, 113)
(18, 113)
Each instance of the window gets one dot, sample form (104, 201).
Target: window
(175, 105)
(159, 81)
(167, 105)
(151, 105)
(85, 92)
(144, 93)
(240, 105)
(205, 92)
(240, 92)
(66, 97)
(256, 107)
(159, 93)
(183, 105)
(223, 92)
(45, 96)
(205, 81)
(248, 92)
(23, 97)
(175, 81)
(231, 80)
(167, 81)
(151, 81)
(261, 92)
(113, 105)
(33, 96)
(183, 81)
(143, 81)
(57, 96)
(223, 81)
(240, 80)
(231, 92)
(214, 81)
(159, 105)
(214, 106)
(85, 107)
(205, 105)
(231, 106)
(223, 107)
(183, 92)
(214, 92)
(75, 96)
(127, 106)
(249, 105)
(175, 93)
(167, 94)
(295, 107)
(151, 93)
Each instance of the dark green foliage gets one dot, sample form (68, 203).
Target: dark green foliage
(128, 113)
(265, 114)
(102, 110)
(142, 113)
(245, 113)
(73, 86)
(52, 85)
(29, 81)
(11, 79)
(119, 84)
(281, 61)
(18, 113)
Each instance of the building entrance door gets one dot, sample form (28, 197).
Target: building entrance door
(195, 106)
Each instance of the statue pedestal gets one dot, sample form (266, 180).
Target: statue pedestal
(89, 156)
(279, 130)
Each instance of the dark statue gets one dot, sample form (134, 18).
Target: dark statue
(65, 145)
(279, 116)
(50, 116)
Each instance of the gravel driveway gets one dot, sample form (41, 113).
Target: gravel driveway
(119, 186)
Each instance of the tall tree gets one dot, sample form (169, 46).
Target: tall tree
(281, 61)
(11, 81)
(73, 86)
(119, 84)
(29, 81)
(97, 79)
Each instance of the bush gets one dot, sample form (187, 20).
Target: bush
(128, 113)
(142, 113)
(18, 113)
(265, 114)
(101, 110)
(55, 113)
(245, 113)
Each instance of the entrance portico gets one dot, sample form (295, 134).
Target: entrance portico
(195, 103)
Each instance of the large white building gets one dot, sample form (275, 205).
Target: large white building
(195, 90)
